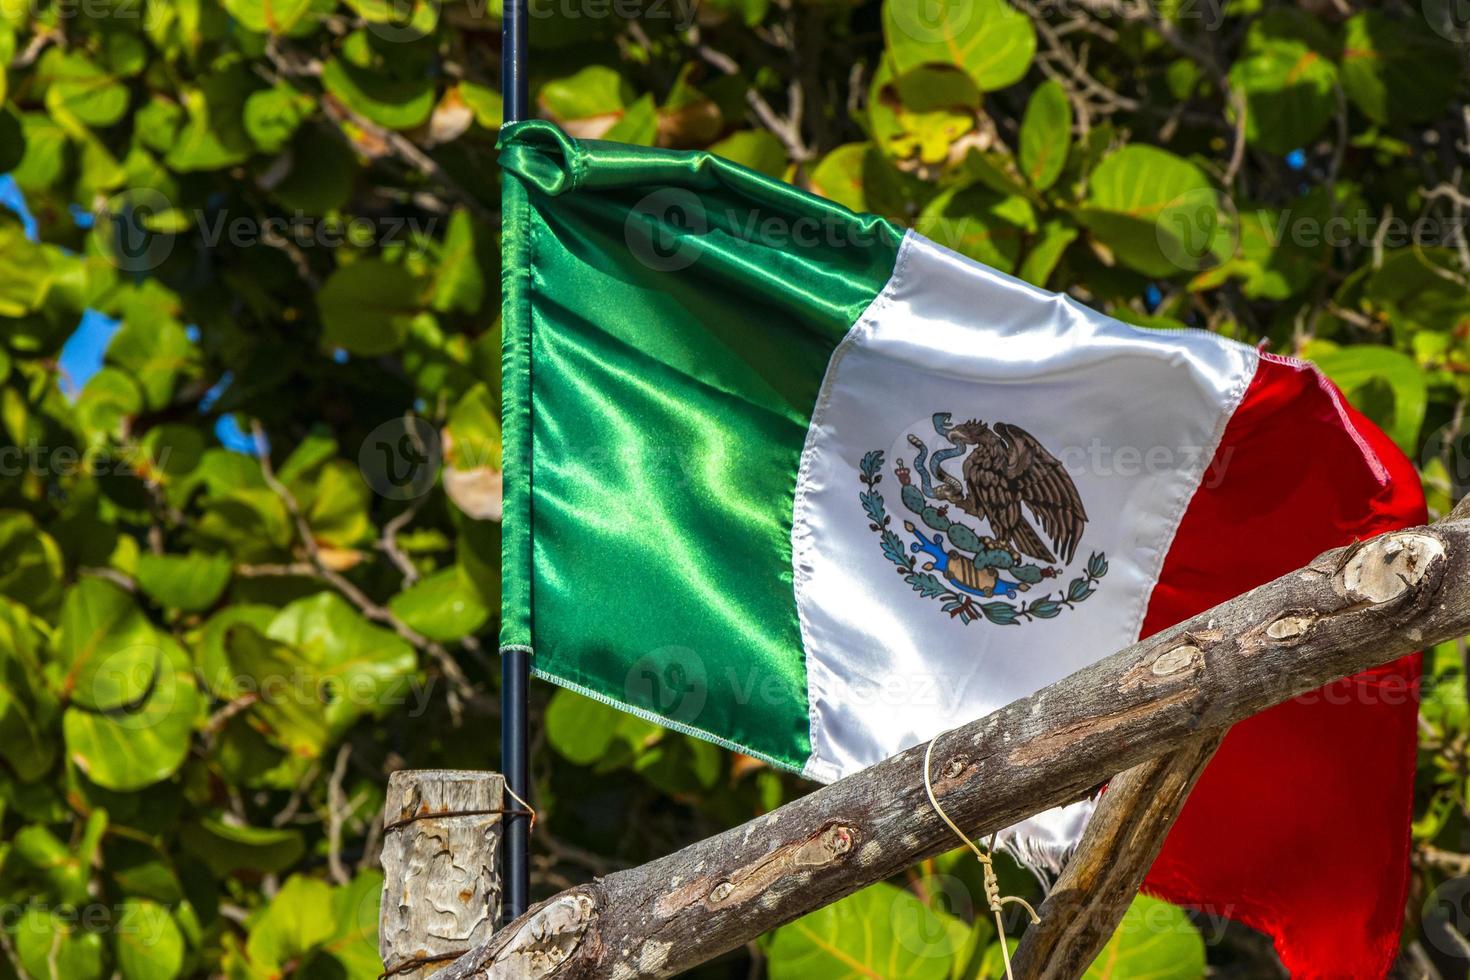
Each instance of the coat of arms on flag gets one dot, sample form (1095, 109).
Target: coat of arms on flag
(977, 541)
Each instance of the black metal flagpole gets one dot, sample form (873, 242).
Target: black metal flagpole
(515, 665)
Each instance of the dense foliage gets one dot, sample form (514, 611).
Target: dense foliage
(248, 568)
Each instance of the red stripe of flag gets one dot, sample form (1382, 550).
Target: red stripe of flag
(1300, 825)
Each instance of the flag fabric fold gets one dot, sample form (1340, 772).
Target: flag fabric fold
(793, 480)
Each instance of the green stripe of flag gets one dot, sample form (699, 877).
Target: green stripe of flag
(668, 320)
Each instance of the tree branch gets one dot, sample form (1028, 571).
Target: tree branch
(1123, 837)
(1350, 609)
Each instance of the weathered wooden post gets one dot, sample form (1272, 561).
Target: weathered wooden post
(441, 872)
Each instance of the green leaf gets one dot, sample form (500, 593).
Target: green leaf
(1287, 75)
(1157, 212)
(155, 355)
(368, 306)
(460, 283)
(214, 136)
(51, 947)
(212, 657)
(7, 53)
(882, 931)
(1362, 370)
(980, 223)
(595, 90)
(355, 911)
(757, 149)
(135, 746)
(443, 606)
(1046, 134)
(26, 273)
(1282, 252)
(28, 711)
(397, 103)
(31, 567)
(399, 20)
(1287, 87)
(147, 943)
(268, 16)
(927, 88)
(126, 54)
(312, 929)
(108, 649)
(297, 920)
(639, 125)
(62, 871)
(172, 452)
(273, 115)
(78, 89)
(1395, 69)
(990, 40)
(46, 147)
(472, 474)
(331, 493)
(191, 582)
(110, 398)
(485, 103)
(839, 176)
(322, 174)
(1046, 251)
(1155, 940)
(361, 668)
(580, 729)
(227, 847)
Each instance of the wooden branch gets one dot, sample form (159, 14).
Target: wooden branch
(1125, 834)
(1349, 610)
(441, 877)
(1115, 854)
(1098, 883)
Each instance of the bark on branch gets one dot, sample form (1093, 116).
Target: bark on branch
(1125, 834)
(1350, 609)
(1123, 837)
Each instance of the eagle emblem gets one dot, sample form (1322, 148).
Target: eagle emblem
(1008, 521)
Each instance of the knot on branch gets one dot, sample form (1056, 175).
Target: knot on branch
(1389, 567)
(1173, 663)
(1292, 626)
(545, 940)
(829, 846)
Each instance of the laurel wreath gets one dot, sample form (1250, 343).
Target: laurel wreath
(959, 605)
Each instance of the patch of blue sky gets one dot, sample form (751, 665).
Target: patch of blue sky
(82, 354)
(12, 199)
(227, 430)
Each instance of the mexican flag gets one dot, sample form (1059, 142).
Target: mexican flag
(793, 480)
